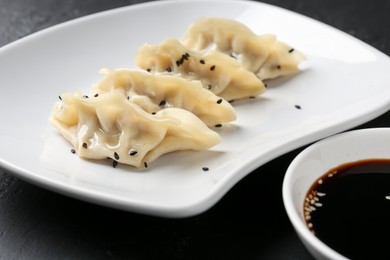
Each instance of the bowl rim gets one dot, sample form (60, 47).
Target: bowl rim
(314, 244)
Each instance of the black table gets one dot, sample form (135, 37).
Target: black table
(248, 223)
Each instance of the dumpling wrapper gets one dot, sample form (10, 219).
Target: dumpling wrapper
(219, 73)
(253, 51)
(110, 126)
(156, 92)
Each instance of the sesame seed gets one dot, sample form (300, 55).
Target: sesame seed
(60, 97)
(128, 98)
(298, 107)
(72, 150)
(148, 70)
(265, 85)
(146, 164)
(187, 54)
(209, 86)
(212, 68)
(96, 95)
(178, 63)
(116, 156)
(169, 69)
(153, 113)
(252, 97)
(184, 57)
(218, 125)
(202, 62)
(114, 164)
(85, 145)
(162, 103)
(219, 101)
(291, 50)
(278, 67)
(85, 96)
(231, 101)
(133, 152)
(205, 169)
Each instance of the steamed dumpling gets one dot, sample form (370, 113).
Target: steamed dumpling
(252, 51)
(108, 125)
(219, 73)
(156, 92)
(282, 61)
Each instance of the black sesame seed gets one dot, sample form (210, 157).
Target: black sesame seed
(219, 101)
(184, 57)
(265, 85)
(146, 164)
(178, 63)
(85, 145)
(133, 152)
(209, 86)
(72, 150)
(153, 113)
(114, 164)
(218, 125)
(162, 103)
(85, 96)
(187, 55)
(291, 50)
(96, 95)
(231, 55)
(60, 97)
(181, 60)
(278, 67)
(205, 169)
(169, 69)
(231, 101)
(252, 97)
(202, 62)
(116, 156)
(212, 68)
(298, 107)
(148, 70)
(128, 98)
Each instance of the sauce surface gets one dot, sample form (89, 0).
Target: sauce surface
(348, 208)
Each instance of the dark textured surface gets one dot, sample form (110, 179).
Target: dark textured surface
(248, 223)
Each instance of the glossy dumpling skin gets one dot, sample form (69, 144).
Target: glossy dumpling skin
(282, 60)
(251, 50)
(108, 125)
(218, 72)
(156, 92)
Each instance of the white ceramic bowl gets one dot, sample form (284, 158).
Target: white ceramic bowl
(315, 161)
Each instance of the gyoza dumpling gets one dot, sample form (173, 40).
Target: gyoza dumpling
(237, 40)
(156, 92)
(282, 61)
(218, 72)
(108, 125)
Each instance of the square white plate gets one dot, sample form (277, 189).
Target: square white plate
(345, 83)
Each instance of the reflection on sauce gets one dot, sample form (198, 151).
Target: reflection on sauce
(348, 208)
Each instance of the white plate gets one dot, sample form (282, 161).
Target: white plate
(345, 84)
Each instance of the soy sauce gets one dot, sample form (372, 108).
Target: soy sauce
(348, 208)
